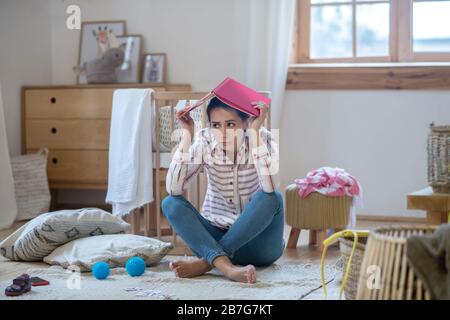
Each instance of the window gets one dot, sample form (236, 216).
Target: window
(372, 31)
(429, 37)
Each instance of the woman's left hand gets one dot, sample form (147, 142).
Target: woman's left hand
(263, 110)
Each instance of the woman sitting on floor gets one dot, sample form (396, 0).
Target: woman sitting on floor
(242, 218)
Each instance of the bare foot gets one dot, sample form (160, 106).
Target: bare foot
(242, 274)
(189, 269)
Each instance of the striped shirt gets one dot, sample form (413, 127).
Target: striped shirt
(230, 185)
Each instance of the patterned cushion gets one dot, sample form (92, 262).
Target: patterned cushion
(113, 249)
(36, 239)
(165, 125)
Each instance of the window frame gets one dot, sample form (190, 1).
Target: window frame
(405, 37)
(400, 38)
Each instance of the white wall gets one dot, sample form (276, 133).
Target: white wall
(25, 57)
(203, 39)
(378, 136)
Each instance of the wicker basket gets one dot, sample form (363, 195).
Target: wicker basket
(439, 158)
(396, 280)
(345, 245)
(31, 184)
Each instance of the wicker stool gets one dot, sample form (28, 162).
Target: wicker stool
(316, 213)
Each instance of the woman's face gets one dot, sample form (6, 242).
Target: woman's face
(227, 127)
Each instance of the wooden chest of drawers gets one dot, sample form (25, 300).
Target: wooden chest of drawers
(73, 123)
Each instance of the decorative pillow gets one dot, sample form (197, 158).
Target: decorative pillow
(113, 249)
(164, 129)
(36, 239)
(165, 125)
(31, 184)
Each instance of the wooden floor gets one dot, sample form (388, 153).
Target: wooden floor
(302, 254)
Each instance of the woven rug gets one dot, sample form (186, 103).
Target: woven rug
(276, 282)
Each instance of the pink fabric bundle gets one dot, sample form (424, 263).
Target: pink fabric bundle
(333, 182)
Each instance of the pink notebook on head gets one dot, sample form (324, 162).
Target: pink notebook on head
(234, 94)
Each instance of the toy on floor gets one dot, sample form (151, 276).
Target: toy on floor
(21, 285)
(135, 266)
(100, 270)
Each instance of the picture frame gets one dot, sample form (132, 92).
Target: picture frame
(154, 68)
(94, 40)
(129, 72)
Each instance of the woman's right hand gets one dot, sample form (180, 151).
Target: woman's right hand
(186, 123)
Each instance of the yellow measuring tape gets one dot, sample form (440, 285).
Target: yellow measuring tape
(332, 239)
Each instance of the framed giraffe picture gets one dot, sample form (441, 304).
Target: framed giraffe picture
(96, 39)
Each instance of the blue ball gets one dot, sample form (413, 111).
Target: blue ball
(100, 270)
(135, 266)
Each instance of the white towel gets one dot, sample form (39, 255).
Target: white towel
(130, 174)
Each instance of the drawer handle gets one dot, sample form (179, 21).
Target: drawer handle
(55, 161)
(54, 130)
(53, 100)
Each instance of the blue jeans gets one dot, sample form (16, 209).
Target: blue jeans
(256, 237)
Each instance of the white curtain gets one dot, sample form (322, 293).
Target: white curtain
(8, 206)
(269, 46)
